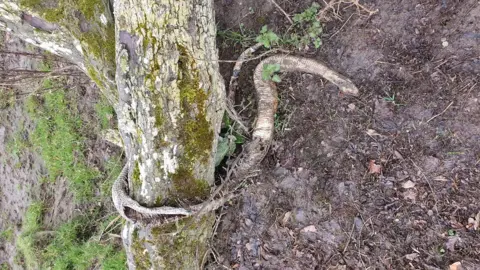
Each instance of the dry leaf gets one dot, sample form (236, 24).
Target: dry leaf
(440, 178)
(286, 218)
(470, 223)
(408, 184)
(397, 154)
(310, 228)
(410, 194)
(372, 132)
(456, 266)
(412, 256)
(374, 168)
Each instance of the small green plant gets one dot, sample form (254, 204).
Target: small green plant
(267, 37)
(392, 100)
(306, 29)
(7, 97)
(6, 235)
(228, 140)
(451, 232)
(269, 73)
(45, 66)
(244, 37)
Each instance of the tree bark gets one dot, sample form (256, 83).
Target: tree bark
(157, 63)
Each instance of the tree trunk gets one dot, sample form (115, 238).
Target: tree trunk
(156, 62)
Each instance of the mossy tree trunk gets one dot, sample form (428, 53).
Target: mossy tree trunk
(156, 62)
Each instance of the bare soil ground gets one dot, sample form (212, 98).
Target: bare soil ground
(319, 201)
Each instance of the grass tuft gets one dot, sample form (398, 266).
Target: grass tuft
(58, 139)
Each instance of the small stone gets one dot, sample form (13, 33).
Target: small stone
(358, 224)
(248, 222)
(444, 42)
(351, 107)
(430, 212)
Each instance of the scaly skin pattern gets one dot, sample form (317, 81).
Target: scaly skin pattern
(255, 150)
(266, 94)
(122, 201)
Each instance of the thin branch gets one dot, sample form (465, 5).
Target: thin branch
(283, 11)
(435, 116)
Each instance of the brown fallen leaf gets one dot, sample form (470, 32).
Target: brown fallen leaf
(374, 168)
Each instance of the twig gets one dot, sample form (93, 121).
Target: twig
(435, 116)
(349, 237)
(429, 184)
(248, 59)
(334, 34)
(283, 11)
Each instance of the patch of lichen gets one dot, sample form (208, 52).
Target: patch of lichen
(100, 43)
(93, 75)
(62, 8)
(141, 258)
(99, 39)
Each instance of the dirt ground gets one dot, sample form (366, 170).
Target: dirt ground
(321, 201)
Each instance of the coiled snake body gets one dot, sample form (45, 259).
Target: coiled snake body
(262, 134)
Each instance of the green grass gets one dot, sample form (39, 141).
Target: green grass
(113, 167)
(60, 137)
(6, 235)
(75, 245)
(105, 113)
(26, 242)
(18, 143)
(59, 140)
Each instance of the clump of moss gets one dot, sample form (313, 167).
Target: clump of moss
(187, 187)
(136, 175)
(196, 135)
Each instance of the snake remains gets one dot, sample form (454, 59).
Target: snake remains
(254, 151)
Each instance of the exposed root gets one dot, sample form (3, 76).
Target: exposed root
(333, 8)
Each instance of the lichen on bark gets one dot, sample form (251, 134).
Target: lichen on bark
(171, 92)
(157, 63)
